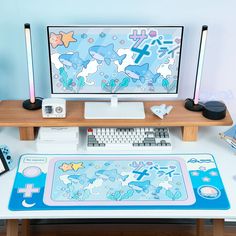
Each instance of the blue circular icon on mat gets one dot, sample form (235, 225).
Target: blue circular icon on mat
(209, 192)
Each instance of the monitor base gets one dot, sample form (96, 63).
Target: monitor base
(105, 110)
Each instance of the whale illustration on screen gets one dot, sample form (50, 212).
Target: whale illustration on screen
(105, 53)
(73, 60)
(141, 73)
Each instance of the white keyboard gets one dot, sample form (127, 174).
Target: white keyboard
(128, 139)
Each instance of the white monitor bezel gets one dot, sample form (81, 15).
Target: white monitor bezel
(120, 96)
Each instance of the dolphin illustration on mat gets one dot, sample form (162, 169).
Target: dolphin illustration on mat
(105, 53)
(81, 179)
(112, 175)
(73, 60)
(140, 186)
(136, 72)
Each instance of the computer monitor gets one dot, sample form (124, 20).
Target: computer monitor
(114, 62)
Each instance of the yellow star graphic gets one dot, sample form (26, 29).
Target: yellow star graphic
(76, 166)
(67, 38)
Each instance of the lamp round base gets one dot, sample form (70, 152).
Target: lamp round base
(32, 106)
(191, 106)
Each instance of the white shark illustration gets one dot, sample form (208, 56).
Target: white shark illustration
(106, 53)
(136, 72)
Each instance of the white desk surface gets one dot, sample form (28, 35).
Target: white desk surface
(209, 142)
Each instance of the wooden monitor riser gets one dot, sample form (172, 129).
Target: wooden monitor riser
(13, 115)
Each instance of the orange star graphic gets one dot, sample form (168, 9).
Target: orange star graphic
(67, 38)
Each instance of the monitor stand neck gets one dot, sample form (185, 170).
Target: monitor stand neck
(114, 101)
(114, 110)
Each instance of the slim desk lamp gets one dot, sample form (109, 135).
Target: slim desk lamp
(33, 103)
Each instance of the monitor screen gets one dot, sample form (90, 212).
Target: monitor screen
(120, 60)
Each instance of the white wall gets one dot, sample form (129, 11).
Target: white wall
(220, 61)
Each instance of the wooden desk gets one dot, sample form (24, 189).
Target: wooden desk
(13, 115)
(13, 227)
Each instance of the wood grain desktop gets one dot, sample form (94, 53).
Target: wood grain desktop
(12, 114)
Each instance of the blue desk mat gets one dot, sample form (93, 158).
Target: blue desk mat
(109, 181)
